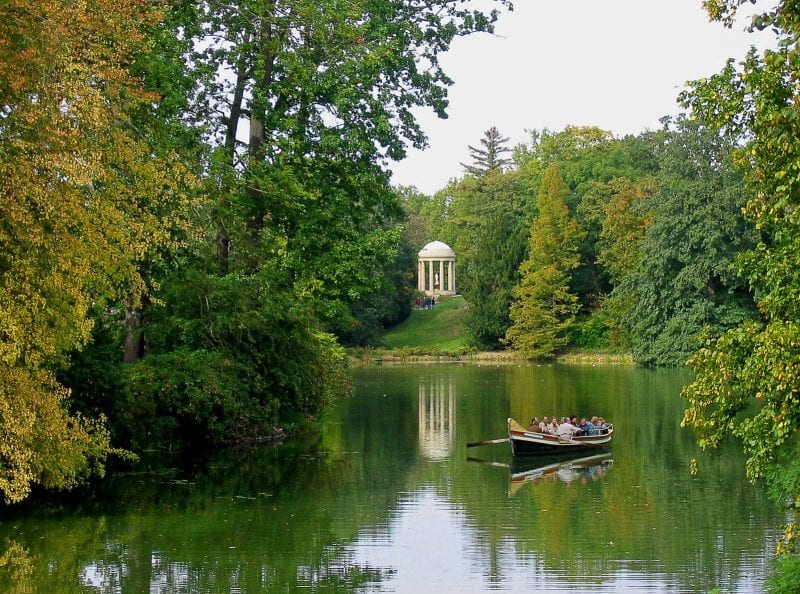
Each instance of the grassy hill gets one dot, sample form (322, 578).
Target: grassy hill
(441, 332)
(440, 329)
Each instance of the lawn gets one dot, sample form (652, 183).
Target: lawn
(441, 327)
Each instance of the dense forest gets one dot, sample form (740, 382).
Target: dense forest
(585, 240)
(197, 217)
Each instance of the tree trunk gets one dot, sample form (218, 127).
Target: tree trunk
(223, 250)
(134, 337)
(236, 106)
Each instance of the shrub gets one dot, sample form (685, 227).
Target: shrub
(192, 396)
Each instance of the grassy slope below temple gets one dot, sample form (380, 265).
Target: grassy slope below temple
(437, 330)
(440, 333)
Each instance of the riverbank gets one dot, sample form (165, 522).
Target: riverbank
(379, 356)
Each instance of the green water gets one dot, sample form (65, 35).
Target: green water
(389, 499)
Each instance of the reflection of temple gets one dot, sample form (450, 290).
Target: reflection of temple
(437, 417)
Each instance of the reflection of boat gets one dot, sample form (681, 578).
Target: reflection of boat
(582, 469)
(529, 442)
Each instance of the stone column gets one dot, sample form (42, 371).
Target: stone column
(453, 276)
(420, 276)
(430, 274)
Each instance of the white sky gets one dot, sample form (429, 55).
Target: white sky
(616, 64)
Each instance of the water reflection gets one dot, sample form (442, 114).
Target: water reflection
(585, 469)
(437, 417)
(386, 500)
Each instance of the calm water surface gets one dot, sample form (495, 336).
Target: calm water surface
(389, 499)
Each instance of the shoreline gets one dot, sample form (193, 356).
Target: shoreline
(380, 357)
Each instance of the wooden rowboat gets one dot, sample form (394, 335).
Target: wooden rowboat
(530, 442)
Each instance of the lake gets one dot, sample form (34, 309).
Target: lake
(388, 498)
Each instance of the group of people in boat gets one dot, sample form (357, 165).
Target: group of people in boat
(569, 427)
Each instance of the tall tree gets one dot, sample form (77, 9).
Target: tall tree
(326, 91)
(83, 199)
(490, 157)
(684, 280)
(309, 101)
(486, 227)
(758, 363)
(544, 308)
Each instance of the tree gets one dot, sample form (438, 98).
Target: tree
(490, 157)
(615, 215)
(588, 158)
(486, 227)
(684, 279)
(624, 224)
(544, 309)
(84, 199)
(748, 378)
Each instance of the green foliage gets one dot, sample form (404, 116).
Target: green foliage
(255, 319)
(623, 225)
(785, 575)
(544, 309)
(592, 333)
(746, 365)
(585, 156)
(747, 378)
(685, 278)
(486, 227)
(591, 162)
(196, 396)
(94, 376)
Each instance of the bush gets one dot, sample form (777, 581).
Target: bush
(785, 575)
(591, 333)
(196, 396)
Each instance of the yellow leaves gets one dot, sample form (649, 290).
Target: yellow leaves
(39, 442)
(82, 203)
(788, 545)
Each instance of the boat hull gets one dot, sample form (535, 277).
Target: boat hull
(527, 442)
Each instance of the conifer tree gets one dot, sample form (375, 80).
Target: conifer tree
(490, 157)
(544, 308)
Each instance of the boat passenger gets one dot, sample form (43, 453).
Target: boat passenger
(534, 426)
(554, 425)
(566, 430)
(602, 426)
(544, 425)
(587, 427)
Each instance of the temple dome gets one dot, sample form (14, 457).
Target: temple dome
(437, 249)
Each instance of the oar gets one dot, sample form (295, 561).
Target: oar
(488, 462)
(472, 444)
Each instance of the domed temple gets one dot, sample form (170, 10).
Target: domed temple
(437, 269)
